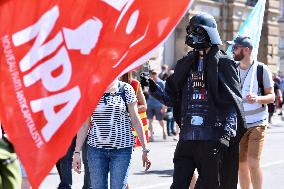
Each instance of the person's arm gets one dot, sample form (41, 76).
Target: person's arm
(279, 94)
(81, 137)
(232, 100)
(230, 124)
(161, 96)
(268, 97)
(137, 124)
(156, 91)
(141, 99)
(268, 85)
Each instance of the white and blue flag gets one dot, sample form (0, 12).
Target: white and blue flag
(252, 27)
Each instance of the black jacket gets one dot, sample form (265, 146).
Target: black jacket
(222, 84)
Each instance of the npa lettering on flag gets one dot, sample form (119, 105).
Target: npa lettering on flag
(58, 57)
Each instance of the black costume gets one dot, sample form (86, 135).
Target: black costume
(206, 96)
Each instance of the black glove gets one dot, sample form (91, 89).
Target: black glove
(223, 144)
(145, 80)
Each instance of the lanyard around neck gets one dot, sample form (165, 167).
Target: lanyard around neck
(242, 82)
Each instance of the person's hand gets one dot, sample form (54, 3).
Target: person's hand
(144, 79)
(164, 109)
(146, 161)
(252, 98)
(141, 108)
(223, 144)
(76, 164)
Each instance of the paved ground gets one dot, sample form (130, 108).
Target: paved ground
(160, 174)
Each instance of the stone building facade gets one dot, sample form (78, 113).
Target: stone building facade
(230, 14)
(281, 38)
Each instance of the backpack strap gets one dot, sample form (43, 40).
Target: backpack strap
(259, 74)
(121, 92)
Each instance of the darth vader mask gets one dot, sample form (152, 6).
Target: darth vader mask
(197, 38)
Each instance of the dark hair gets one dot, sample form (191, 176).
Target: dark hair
(153, 72)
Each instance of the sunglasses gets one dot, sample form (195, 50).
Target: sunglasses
(235, 47)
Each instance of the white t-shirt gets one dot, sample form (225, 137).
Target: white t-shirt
(267, 77)
(110, 122)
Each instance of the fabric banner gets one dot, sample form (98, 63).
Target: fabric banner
(58, 57)
(252, 27)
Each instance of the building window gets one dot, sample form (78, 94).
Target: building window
(251, 2)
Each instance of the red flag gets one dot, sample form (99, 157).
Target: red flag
(58, 57)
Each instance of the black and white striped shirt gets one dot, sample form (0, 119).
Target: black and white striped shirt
(110, 122)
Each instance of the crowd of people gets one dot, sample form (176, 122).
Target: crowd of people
(209, 102)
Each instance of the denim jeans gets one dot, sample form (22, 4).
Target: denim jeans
(114, 161)
(170, 126)
(64, 167)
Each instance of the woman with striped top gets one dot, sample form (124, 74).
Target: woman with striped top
(109, 138)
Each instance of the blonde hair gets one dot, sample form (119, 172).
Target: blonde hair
(127, 77)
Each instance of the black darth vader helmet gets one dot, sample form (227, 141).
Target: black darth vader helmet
(202, 32)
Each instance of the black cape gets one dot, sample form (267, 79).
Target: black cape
(222, 84)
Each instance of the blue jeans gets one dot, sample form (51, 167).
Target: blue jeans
(64, 167)
(114, 161)
(170, 126)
